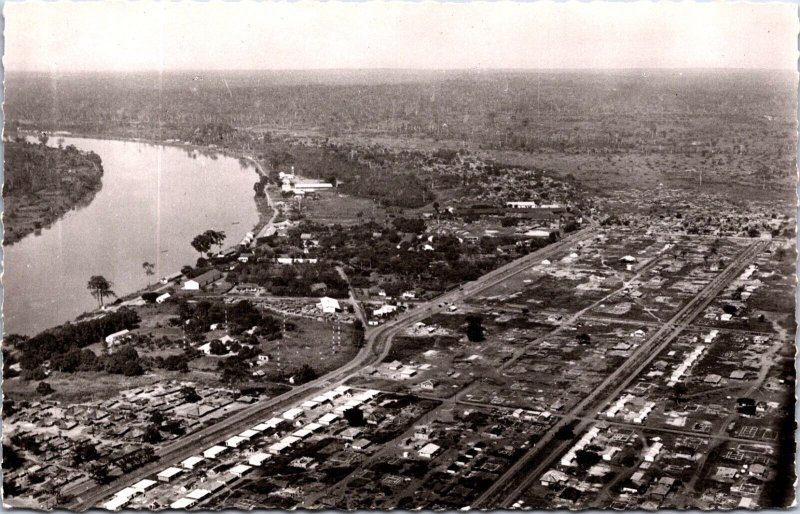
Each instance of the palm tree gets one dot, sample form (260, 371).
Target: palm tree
(148, 270)
(100, 288)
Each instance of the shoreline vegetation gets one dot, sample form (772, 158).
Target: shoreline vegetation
(42, 184)
(264, 209)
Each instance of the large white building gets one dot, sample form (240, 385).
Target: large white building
(328, 305)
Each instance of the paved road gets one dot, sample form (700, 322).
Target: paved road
(377, 346)
(531, 465)
(357, 307)
(266, 229)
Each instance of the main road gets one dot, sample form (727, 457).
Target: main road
(377, 345)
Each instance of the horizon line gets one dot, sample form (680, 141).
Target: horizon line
(399, 69)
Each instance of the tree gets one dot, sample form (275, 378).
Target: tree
(148, 270)
(586, 459)
(190, 394)
(474, 329)
(217, 347)
(151, 435)
(565, 432)
(85, 452)
(358, 333)
(99, 473)
(100, 288)
(35, 373)
(678, 392)
(203, 242)
(132, 368)
(584, 339)
(305, 374)
(150, 296)
(44, 388)
(44, 138)
(355, 417)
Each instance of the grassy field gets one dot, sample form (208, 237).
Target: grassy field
(310, 343)
(333, 208)
(86, 386)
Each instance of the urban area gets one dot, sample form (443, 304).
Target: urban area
(458, 292)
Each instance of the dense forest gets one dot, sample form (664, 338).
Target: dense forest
(738, 124)
(41, 183)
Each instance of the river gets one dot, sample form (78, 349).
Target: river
(154, 200)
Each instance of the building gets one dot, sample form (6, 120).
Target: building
(328, 418)
(144, 485)
(308, 186)
(235, 441)
(539, 233)
(257, 459)
(192, 462)
(521, 205)
(168, 474)
(163, 298)
(117, 337)
(198, 494)
(328, 305)
(240, 470)
(384, 310)
(285, 259)
(427, 385)
(248, 434)
(116, 503)
(292, 414)
(429, 450)
(183, 504)
(214, 452)
(202, 281)
(361, 444)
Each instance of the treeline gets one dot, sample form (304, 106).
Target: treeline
(531, 111)
(240, 316)
(389, 182)
(65, 339)
(31, 168)
(396, 258)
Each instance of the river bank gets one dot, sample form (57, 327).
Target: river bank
(154, 201)
(42, 184)
(264, 205)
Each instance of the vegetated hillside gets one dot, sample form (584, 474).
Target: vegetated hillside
(726, 125)
(42, 183)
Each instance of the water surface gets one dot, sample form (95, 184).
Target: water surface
(154, 200)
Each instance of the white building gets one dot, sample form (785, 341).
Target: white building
(429, 450)
(257, 459)
(183, 504)
(214, 452)
(192, 462)
(117, 337)
(384, 310)
(521, 205)
(168, 474)
(116, 503)
(235, 441)
(328, 305)
(292, 413)
(240, 470)
(201, 281)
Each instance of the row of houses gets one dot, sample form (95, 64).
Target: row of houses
(291, 416)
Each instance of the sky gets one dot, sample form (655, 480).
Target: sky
(136, 36)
